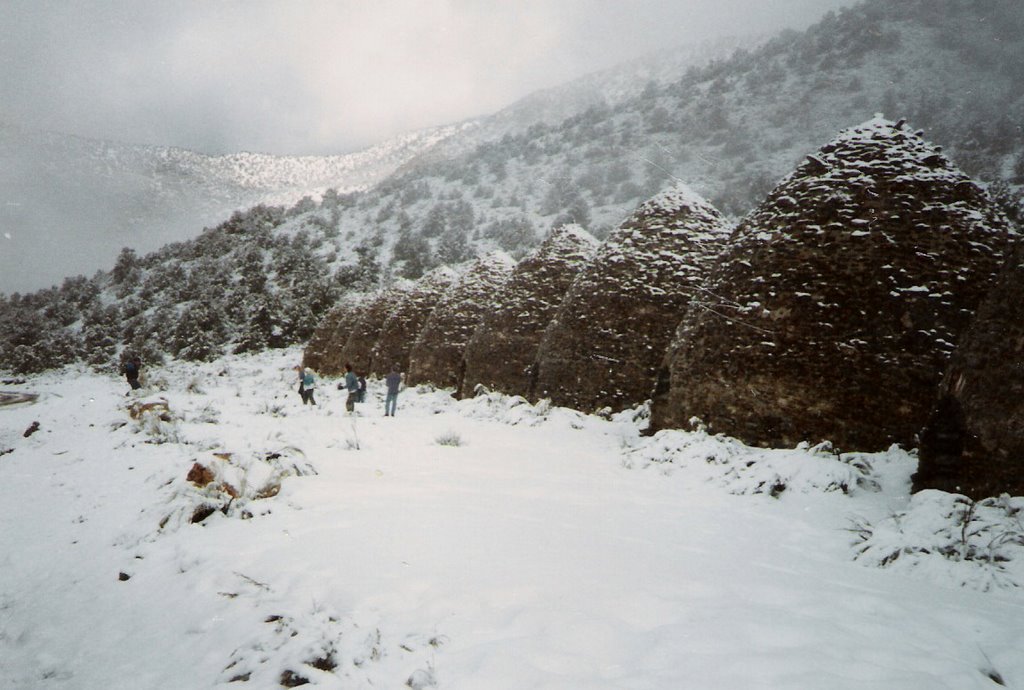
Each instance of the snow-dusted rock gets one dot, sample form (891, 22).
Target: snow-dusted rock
(502, 351)
(229, 483)
(835, 307)
(610, 333)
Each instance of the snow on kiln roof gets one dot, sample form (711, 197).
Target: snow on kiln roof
(570, 233)
(664, 245)
(565, 241)
(864, 156)
(675, 198)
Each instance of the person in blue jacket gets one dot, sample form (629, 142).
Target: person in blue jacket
(393, 381)
(352, 386)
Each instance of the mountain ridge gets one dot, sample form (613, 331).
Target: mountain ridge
(730, 129)
(143, 196)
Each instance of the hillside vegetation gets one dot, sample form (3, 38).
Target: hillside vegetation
(730, 129)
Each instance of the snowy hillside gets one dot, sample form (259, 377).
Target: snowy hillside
(730, 129)
(97, 196)
(266, 275)
(606, 88)
(588, 152)
(213, 532)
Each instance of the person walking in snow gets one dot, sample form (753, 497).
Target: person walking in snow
(393, 381)
(302, 385)
(132, 368)
(307, 384)
(351, 384)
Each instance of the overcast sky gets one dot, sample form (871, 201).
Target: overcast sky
(310, 77)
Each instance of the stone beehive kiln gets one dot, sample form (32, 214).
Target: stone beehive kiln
(610, 333)
(406, 320)
(324, 351)
(364, 333)
(974, 441)
(834, 310)
(436, 356)
(501, 353)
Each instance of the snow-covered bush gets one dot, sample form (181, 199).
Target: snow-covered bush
(510, 409)
(272, 409)
(351, 439)
(324, 648)
(950, 539)
(288, 651)
(450, 438)
(208, 414)
(515, 410)
(728, 463)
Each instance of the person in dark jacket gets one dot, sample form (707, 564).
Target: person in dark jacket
(132, 368)
(393, 381)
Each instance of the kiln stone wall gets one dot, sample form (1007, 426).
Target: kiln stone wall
(323, 354)
(501, 354)
(974, 441)
(436, 356)
(407, 319)
(838, 301)
(609, 335)
(364, 333)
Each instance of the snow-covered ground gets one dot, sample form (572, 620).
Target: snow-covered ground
(478, 544)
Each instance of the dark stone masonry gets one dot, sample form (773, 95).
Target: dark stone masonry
(436, 356)
(609, 335)
(323, 354)
(974, 441)
(364, 333)
(501, 354)
(834, 310)
(405, 322)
